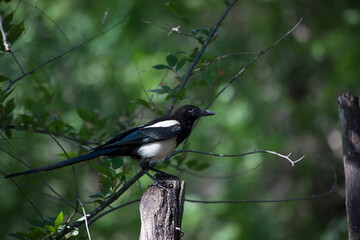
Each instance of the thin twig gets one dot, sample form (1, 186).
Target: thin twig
(52, 20)
(41, 179)
(201, 52)
(85, 218)
(7, 45)
(3, 33)
(220, 58)
(44, 132)
(67, 156)
(268, 201)
(332, 190)
(242, 173)
(287, 157)
(173, 29)
(27, 199)
(251, 62)
(111, 210)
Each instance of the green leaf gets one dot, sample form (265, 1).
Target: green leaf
(117, 162)
(37, 233)
(50, 228)
(10, 105)
(192, 163)
(202, 166)
(15, 32)
(59, 220)
(180, 64)
(6, 95)
(141, 102)
(172, 60)
(161, 66)
(70, 154)
(19, 235)
(98, 195)
(8, 133)
(7, 21)
(175, 8)
(102, 170)
(85, 114)
(3, 78)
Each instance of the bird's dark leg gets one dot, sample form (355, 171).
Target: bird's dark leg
(144, 166)
(163, 173)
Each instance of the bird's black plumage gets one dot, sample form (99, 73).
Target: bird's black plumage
(151, 142)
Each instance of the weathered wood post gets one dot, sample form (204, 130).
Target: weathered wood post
(161, 211)
(349, 114)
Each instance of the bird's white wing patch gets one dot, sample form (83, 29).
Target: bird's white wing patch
(157, 151)
(166, 123)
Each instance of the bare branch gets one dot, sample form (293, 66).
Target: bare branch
(242, 173)
(287, 157)
(202, 50)
(72, 167)
(171, 30)
(51, 20)
(3, 33)
(332, 190)
(111, 210)
(27, 199)
(6, 44)
(85, 218)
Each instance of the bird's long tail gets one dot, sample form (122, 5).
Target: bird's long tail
(90, 155)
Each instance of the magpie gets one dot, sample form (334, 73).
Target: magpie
(150, 143)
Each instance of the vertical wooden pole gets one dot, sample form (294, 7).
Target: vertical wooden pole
(349, 114)
(161, 211)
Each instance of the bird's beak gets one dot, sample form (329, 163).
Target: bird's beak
(205, 112)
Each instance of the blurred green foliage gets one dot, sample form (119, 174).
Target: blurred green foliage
(129, 74)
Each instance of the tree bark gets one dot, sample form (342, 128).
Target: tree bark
(161, 211)
(349, 114)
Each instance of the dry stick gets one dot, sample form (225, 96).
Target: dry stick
(7, 46)
(242, 173)
(201, 52)
(85, 218)
(332, 190)
(287, 157)
(3, 33)
(173, 29)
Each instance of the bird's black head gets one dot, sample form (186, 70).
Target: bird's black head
(190, 113)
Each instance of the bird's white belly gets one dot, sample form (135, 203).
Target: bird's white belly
(157, 151)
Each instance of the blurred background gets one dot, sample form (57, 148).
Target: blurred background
(285, 102)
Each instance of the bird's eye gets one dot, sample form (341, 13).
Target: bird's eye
(195, 112)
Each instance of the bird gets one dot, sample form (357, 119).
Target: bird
(150, 143)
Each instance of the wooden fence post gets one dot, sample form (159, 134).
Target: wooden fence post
(161, 211)
(349, 114)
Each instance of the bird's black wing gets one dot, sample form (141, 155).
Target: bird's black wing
(146, 135)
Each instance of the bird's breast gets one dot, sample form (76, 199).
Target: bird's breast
(157, 151)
